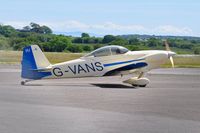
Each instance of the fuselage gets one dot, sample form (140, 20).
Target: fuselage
(91, 66)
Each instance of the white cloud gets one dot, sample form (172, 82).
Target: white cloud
(66, 26)
(16, 24)
(113, 28)
(108, 28)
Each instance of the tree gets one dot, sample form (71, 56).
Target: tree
(119, 41)
(26, 29)
(7, 30)
(197, 50)
(96, 46)
(153, 42)
(77, 40)
(74, 48)
(56, 43)
(85, 39)
(40, 29)
(20, 45)
(108, 38)
(46, 30)
(85, 35)
(4, 43)
(134, 41)
(98, 40)
(35, 27)
(186, 46)
(132, 47)
(87, 48)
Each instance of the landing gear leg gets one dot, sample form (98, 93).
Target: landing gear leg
(141, 75)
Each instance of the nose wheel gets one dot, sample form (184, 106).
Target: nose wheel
(135, 85)
(138, 81)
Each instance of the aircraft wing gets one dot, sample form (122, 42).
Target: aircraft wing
(130, 68)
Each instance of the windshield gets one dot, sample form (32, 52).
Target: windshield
(108, 50)
(118, 50)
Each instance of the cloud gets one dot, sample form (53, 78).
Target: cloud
(16, 24)
(66, 26)
(108, 28)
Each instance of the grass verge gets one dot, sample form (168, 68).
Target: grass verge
(14, 57)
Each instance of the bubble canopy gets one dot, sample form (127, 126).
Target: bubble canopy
(107, 51)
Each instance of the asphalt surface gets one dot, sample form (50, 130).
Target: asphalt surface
(169, 104)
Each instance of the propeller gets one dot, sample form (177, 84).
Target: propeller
(170, 53)
(172, 61)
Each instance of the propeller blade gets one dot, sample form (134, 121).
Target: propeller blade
(167, 46)
(172, 61)
(170, 53)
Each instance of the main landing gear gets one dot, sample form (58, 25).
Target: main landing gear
(138, 81)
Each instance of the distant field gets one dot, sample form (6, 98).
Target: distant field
(14, 57)
(185, 61)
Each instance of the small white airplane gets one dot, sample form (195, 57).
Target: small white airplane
(105, 61)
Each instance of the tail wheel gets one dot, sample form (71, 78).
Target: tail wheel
(23, 82)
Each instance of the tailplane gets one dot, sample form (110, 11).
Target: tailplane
(33, 61)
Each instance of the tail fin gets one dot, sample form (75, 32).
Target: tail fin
(33, 60)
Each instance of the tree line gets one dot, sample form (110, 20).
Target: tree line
(17, 39)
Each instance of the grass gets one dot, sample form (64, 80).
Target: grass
(14, 57)
(10, 57)
(55, 57)
(185, 61)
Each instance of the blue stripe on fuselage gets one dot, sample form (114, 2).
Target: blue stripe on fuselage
(119, 63)
(126, 68)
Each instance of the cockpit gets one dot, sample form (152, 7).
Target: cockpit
(108, 50)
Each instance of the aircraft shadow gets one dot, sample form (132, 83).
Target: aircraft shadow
(101, 85)
(33, 85)
(114, 86)
(69, 85)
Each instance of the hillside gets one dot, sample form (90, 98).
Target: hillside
(17, 39)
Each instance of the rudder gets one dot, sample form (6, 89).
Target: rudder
(33, 59)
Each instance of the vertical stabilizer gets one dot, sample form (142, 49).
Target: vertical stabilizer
(33, 60)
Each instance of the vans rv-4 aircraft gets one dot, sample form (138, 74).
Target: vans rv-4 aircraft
(105, 61)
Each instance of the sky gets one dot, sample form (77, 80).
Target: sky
(154, 17)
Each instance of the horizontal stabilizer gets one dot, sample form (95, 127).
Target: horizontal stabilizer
(42, 69)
